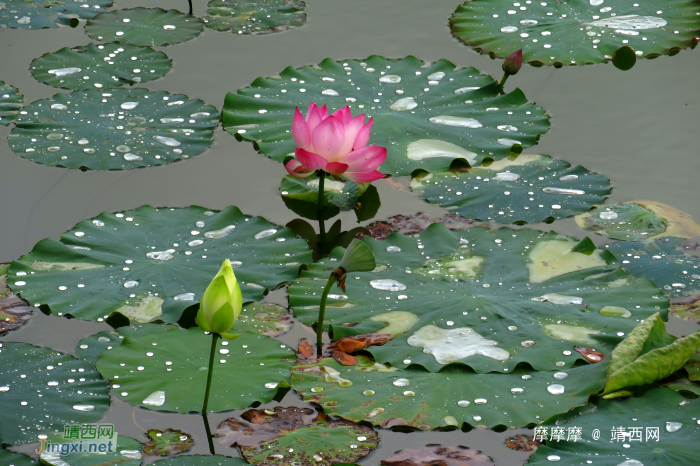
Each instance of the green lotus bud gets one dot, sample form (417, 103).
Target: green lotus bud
(221, 303)
(358, 258)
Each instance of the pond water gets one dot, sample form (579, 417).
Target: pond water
(638, 128)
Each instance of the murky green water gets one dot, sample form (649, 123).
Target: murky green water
(639, 128)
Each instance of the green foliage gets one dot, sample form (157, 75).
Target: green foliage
(33, 14)
(10, 103)
(255, 17)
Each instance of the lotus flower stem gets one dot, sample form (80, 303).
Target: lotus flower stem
(502, 83)
(212, 354)
(321, 226)
(190, 2)
(322, 312)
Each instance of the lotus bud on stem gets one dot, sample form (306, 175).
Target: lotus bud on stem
(358, 257)
(218, 310)
(511, 65)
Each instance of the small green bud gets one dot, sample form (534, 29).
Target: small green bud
(221, 303)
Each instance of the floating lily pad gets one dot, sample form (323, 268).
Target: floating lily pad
(576, 33)
(487, 299)
(443, 455)
(626, 221)
(150, 264)
(127, 452)
(390, 397)
(686, 308)
(288, 435)
(531, 188)
(664, 261)
(412, 224)
(16, 459)
(22, 14)
(153, 27)
(118, 129)
(256, 17)
(102, 66)
(10, 103)
(202, 460)
(14, 311)
(425, 114)
(167, 442)
(167, 371)
(42, 390)
(660, 409)
(264, 319)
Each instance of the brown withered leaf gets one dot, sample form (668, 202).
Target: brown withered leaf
(285, 436)
(522, 443)
(412, 224)
(306, 349)
(589, 354)
(344, 358)
(14, 311)
(360, 342)
(438, 455)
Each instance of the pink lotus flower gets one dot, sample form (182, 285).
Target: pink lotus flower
(336, 144)
(513, 62)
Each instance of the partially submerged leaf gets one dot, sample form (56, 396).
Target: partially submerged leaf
(154, 27)
(414, 223)
(626, 221)
(99, 66)
(171, 374)
(425, 114)
(686, 308)
(264, 319)
(255, 17)
(442, 455)
(523, 443)
(43, 390)
(150, 264)
(202, 460)
(529, 188)
(167, 442)
(14, 311)
(678, 223)
(126, 452)
(287, 435)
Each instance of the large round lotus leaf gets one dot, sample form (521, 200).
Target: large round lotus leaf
(487, 299)
(23, 14)
(167, 371)
(256, 17)
(100, 66)
(261, 318)
(425, 114)
(664, 261)
(626, 221)
(16, 459)
(531, 188)
(151, 264)
(292, 435)
(126, 452)
(202, 460)
(576, 32)
(118, 129)
(414, 397)
(661, 410)
(42, 390)
(10, 103)
(154, 27)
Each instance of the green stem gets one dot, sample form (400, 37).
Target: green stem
(212, 354)
(322, 311)
(209, 436)
(503, 81)
(321, 226)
